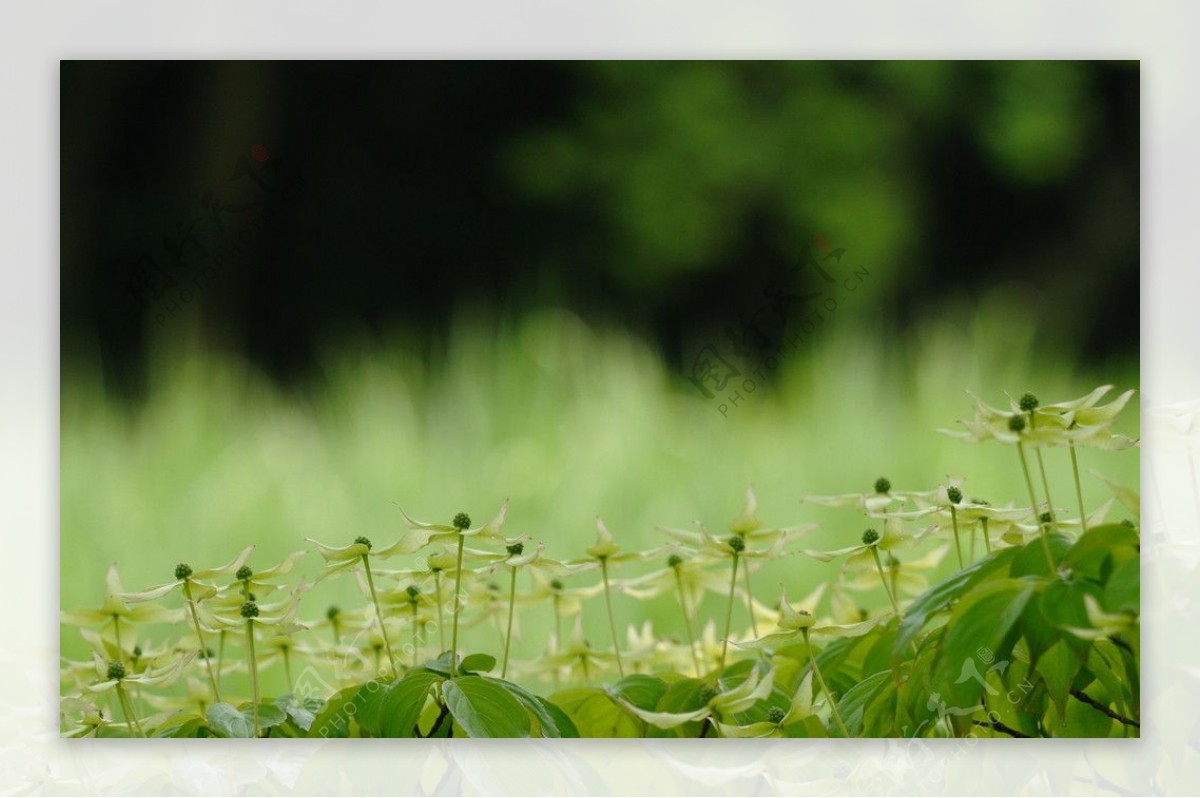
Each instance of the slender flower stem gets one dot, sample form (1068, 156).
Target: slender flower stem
(212, 679)
(127, 707)
(1034, 505)
(687, 621)
(1078, 488)
(287, 666)
(612, 624)
(957, 542)
(379, 614)
(729, 612)
(437, 593)
(749, 597)
(512, 603)
(117, 635)
(987, 541)
(824, 687)
(883, 578)
(1037, 450)
(220, 655)
(416, 638)
(253, 670)
(457, 589)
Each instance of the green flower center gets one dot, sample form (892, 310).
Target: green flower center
(249, 610)
(461, 521)
(883, 485)
(869, 537)
(244, 573)
(116, 670)
(183, 571)
(366, 541)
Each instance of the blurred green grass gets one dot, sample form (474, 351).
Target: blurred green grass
(565, 420)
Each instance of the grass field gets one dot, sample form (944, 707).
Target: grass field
(564, 420)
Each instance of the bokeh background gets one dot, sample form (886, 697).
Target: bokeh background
(296, 294)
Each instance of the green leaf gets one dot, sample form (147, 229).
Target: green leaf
(853, 704)
(400, 707)
(551, 720)
(367, 703)
(641, 690)
(1097, 544)
(1031, 558)
(334, 719)
(978, 632)
(485, 709)
(1061, 604)
(301, 713)
(182, 725)
(938, 597)
(226, 721)
(595, 714)
(477, 663)
(1058, 667)
(1123, 593)
(683, 696)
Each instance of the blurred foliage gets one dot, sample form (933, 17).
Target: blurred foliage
(630, 191)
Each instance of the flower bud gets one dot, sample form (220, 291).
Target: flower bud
(674, 561)
(1028, 402)
(869, 537)
(954, 495)
(116, 670)
(883, 485)
(183, 571)
(1016, 423)
(333, 612)
(777, 714)
(461, 521)
(515, 549)
(249, 610)
(244, 573)
(737, 543)
(366, 541)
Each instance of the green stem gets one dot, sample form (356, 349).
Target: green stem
(127, 707)
(824, 687)
(687, 621)
(457, 588)
(117, 635)
(512, 603)
(1037, 450)
(437, 590)
(612, 623)
(1078, 488)
(253, 670)
(883, 578)
(416, 638)
(957, 542)
(729, 612)
(987, 541)
(287, 666)
(387, 645)
(220, 655)
(1034, 506)
(212, 679)
(749, 597)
